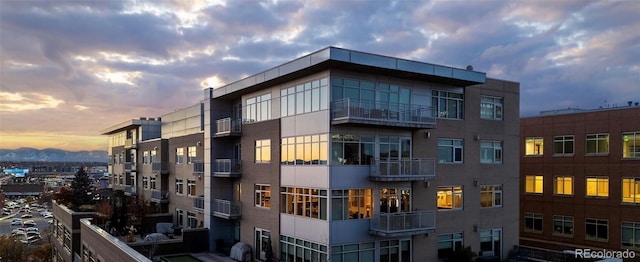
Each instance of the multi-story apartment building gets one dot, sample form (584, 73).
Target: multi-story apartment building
(580, 179)
(338, 155)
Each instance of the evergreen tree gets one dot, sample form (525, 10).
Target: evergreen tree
(80, 187)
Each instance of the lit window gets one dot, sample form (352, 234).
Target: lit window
(597, 229)
(191, 187)
(192, 153)
(352, 204)
(154, 156)
(263, 195)
(450, 197)
(597, 186)
(263, 151)
(631, 145)
(447, 104)
(145, 157)
(533, 222)
(491, 108)
(491, 196)
(449, 150)
(304, 150)
(631, 234)
(533, 146)
(490, 152)
(533, 184)
(179, 155)
(307, 202)
(598, 144)
(631, 190)
(563, 145)
(563, 225)
(563, 185)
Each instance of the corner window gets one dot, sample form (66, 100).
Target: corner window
(598, 144)
(533, 146)
(596, 229)
(563, 226)
(631, 145)
(304, 150)
(447, 104)
(597, 186)
(491, 108)
(533, 184)
(262, 195)
(449, 150)
(631, 190)
(351, 204)
(450, 198)
(563, 146)
(307, 202)
(490, 152)
(263, 151)
(491, 196)
(533, 222)
(258, 109)
(563, 185)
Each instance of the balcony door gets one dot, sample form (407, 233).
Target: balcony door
(393, 151)
(395, 200)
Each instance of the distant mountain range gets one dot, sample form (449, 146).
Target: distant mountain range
(52, 155)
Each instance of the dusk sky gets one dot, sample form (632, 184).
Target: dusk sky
(69, 69)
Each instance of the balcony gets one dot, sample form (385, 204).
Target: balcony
(403, 224)
(391, 169)
(130, 190)
(198, 203)
(160, 196)
(128, 166)
(129, 143)
(228, 127)
(227, 168)
(198, 168)
(358, 112)
(226, 209)
(160, 167)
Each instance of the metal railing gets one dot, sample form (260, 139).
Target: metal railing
(198, 203)
(403, 169)
(227, 167)
(130, 190)
(160, 195)
(405, 223)
(160, 167)
(228, 126)
(380, 113)
(198, 167)
(226, 208)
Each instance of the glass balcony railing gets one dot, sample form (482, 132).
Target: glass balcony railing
(161, 196)
(226, 209)
(361, 112)
(403, 224)
(198, 167)
(160, 167)
(394, 169)
(228, 127)
(227, 168)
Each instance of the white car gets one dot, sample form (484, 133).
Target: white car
(32, 229)
(31, 239)
(16, 223)
(27, 216)
(46, 216)
(16, 231)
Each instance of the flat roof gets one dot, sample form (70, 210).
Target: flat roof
(128, 125)
(333, 57)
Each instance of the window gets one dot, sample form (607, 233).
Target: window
(631, 145)
(563, 225)
(307, 202)
(491, 196)
(304, 150)
(191, 187)
(563, 145)
(152, 182)
(357, 252)
(258, 108)
(449, 243)
(304, 98)
(145, 157)
(154, 157)
(490, 152)
(631, 190)
(263, 151)
(491, 108)
(294, 249)
(631, 234)
(450, 197)
(533, 146)
(179, 217)
(179, 155)
(351, 149)
(145, 182)
(490, 240)
(179, 187)
(351, 204)
(447, 104)
(192, 222)
(263, 237)
(533, 184)
(563, 185)
(598, 186)
(192, 153)
(395, 250)
(598, 144)
(597, 229)
(263, 195)
(533, 222)
(449, 150)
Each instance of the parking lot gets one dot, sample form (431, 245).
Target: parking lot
(40, 222)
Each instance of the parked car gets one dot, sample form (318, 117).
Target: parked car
(46, 216)
(16, 231)
(31, 239)
(27, 216)
(16, 223)
(31, 229)
(29, 224)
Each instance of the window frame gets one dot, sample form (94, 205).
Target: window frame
(192, 153)
(496, 149)
(534, 217)
(535, 183)
(454, 146)
(179, 186)
(563, 140)
(598, 180)
(597, 223)
(496, 195)
(556, 183)
(262, 195)
(537, 143)
(563, 220)
(635, 235)
(179, 155)
(191, 187)
(596, 138)
(454, 191)
(456, 239)
(634, 191)
(447, 97)
(262, 151)
(634, 151)
(491, 107)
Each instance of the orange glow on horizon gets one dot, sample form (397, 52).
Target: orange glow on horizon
(40, 140)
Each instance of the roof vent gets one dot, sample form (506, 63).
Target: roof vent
(469, 68)
(143, 118)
